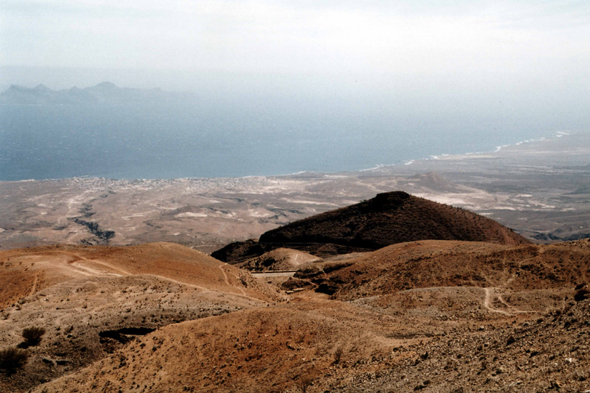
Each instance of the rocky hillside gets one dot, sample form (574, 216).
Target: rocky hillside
(90, 301)
(389, 218)
(440, 264)
(432, 316)
(549, 354)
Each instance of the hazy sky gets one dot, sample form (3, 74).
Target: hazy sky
(372, 47)
(298, 36)
(415, 76)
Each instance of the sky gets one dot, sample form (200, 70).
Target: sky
(429, 51)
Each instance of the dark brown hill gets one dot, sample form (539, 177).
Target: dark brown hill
(389, 218)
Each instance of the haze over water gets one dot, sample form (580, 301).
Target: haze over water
(285, 87)
(207, 138)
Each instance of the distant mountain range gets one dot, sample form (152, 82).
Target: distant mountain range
(103, 92)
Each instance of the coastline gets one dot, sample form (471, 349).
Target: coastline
(376, 167)
(537, 188)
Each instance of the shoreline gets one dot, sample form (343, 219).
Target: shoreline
(377, 167)
(519, 186)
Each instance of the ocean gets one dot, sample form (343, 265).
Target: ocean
(205, 138)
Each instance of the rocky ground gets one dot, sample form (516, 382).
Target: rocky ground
(547, 353)
(161, 317)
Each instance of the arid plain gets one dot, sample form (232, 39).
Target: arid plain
(540, 189)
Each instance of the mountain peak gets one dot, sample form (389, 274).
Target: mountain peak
(16, 88)
(106, 85)
(41, 87)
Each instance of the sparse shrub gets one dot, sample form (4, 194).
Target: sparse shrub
(337, 355)
(33, 335)
(12, 359)
(305, 383)
(582, 294)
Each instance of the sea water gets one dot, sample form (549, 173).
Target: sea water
(201, 138)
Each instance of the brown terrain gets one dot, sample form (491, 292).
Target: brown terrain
(501, 315)
(440, 264)
(389, 218)
(281, 259)
(92, 300)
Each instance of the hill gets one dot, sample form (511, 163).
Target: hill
(281, 259)
(316, 345)
(441, 264)
(436, 316)
(92, 300)
(389, 218)
(278, 349)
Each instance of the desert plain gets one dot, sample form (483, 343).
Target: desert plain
(540, 189)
